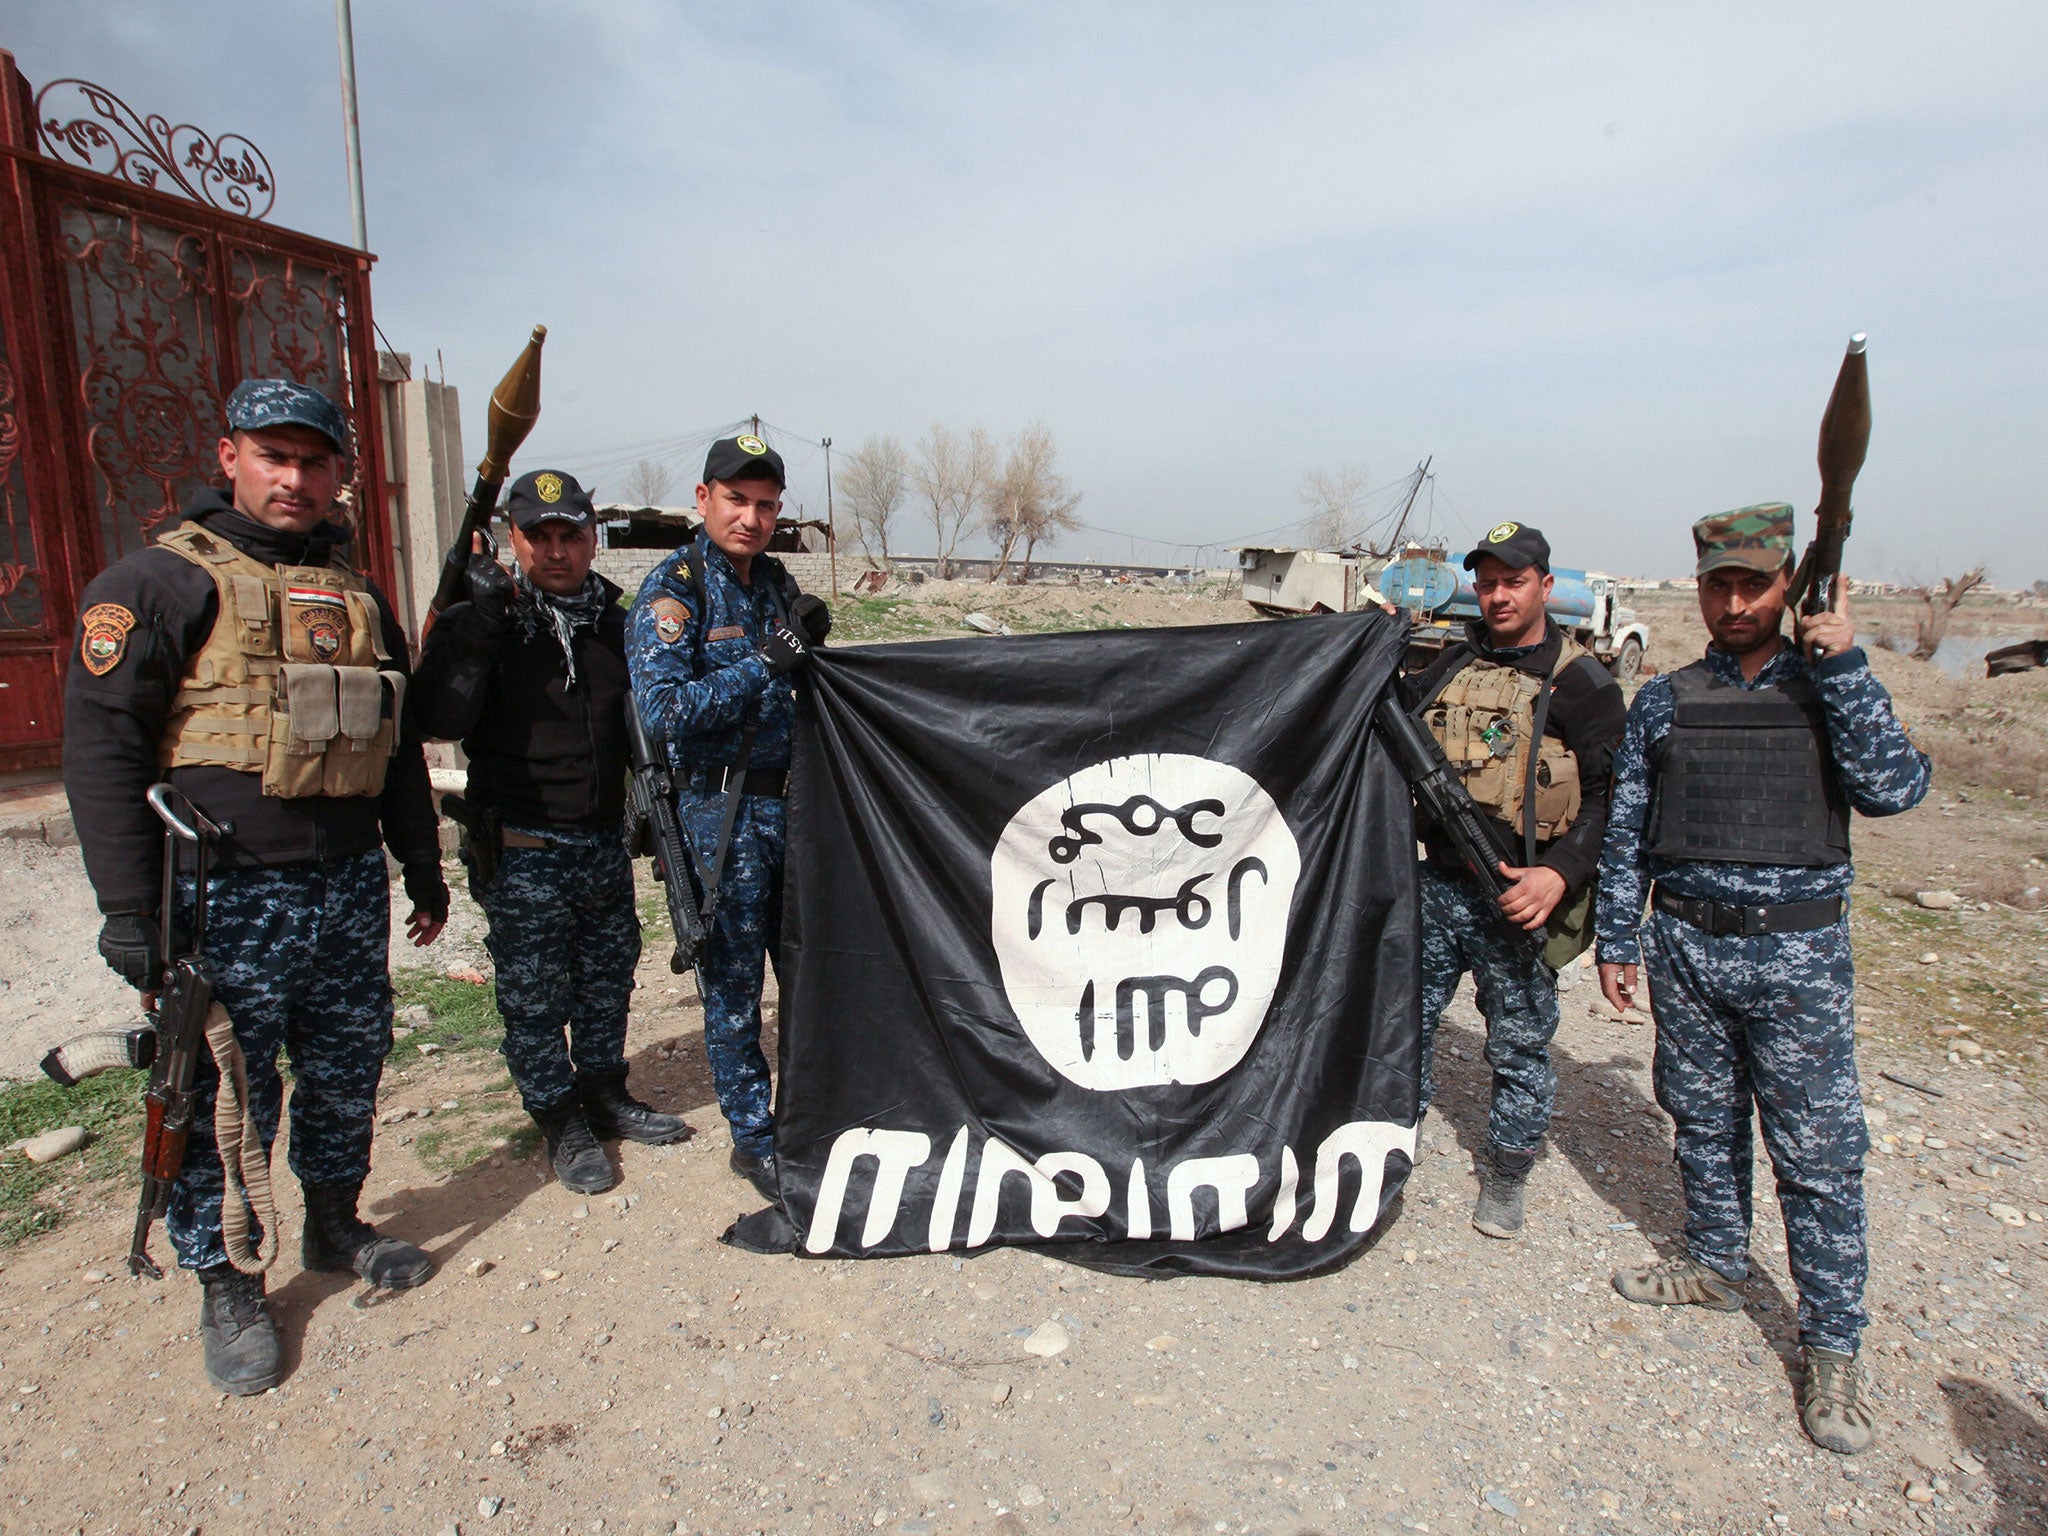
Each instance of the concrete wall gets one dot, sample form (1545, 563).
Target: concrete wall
(629, 567)
(427, 489)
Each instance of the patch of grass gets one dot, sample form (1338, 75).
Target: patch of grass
(856, 619)
(655, 928)
(489, 1123)
(462, 1015)
(463, 1018)
(33, 1196)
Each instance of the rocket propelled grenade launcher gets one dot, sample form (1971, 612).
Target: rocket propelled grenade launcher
(1844, 439)
(514, 408)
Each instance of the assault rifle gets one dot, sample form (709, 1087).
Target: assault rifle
(170, 1043)
(514, 408)
(1844, 439)
(654, 815)
(1445, 799)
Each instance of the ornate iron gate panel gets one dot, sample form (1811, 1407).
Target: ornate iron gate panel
(144, 361)
(127, 313)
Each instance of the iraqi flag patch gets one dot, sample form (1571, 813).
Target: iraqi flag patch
(103, 637)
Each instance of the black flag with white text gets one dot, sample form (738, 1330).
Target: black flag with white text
(1102, 939)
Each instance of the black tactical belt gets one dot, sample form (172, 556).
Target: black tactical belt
(1721, 919)
(773, 783)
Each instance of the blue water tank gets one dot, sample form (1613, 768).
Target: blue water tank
(1443, 589)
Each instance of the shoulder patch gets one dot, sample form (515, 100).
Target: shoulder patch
(671, 618)
(104, 637)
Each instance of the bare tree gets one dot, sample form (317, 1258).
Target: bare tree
(1331, 497)
(952, 473)
(1030, 503)
(647, 482)
(1938, 601)
(872, 486)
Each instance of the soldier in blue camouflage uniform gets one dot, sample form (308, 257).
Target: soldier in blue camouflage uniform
(1515, 704)
(1732, 793)
(716, 631)
(529, 673)
(167, 683)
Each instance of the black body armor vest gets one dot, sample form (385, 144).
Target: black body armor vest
(1746, 776)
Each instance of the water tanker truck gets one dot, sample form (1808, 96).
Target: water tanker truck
(1438, 597)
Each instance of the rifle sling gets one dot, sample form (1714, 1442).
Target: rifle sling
(734, 791)
(736, 783)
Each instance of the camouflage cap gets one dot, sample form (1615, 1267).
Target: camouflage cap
(259, 403)
(1757, 538)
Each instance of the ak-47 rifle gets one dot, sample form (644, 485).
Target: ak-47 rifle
(1844, 439)
(514, 408)
(654, 814)
(1447, 803)
(169, 1045)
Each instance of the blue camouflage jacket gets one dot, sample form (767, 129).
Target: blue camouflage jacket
(1881, 771)
(696, 663)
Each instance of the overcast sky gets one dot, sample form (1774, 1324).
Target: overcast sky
(1600, 260)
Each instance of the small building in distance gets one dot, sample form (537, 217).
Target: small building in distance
(631, 541)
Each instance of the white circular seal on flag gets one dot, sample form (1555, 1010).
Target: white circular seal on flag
(1140, 918)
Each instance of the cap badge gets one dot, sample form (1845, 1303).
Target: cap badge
(548, 487)
(1500, 533)
(750, 444)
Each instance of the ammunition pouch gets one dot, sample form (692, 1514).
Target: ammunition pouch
(1485, 719)
(1569, 933)
(289, 683)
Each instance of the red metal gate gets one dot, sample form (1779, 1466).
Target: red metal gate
(137, 287)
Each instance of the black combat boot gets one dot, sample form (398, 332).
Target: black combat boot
(579, 1161)
(242, 1354)
(759, 1172)
(1502, 1176)
(612, 1113)
(338, 1241)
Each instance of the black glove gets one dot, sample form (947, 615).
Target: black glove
(130, 944)
(812, 617)
(786, 650)
(427, 891)
(490, 588)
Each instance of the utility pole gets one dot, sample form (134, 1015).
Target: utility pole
(1394, 544)
(756, 419)
(345, 38)
(831, 520)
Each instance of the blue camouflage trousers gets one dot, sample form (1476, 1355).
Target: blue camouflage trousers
(1768, 1019)
(1463, 931)
(746, 927)
(300, 956)
(564, 939)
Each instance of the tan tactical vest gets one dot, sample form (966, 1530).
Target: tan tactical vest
(1483, 720)
(288, 684)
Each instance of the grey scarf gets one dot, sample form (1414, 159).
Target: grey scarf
(564, 615)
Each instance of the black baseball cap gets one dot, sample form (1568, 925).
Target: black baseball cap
(743, 458)
(1515, 545)
(541, 495)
